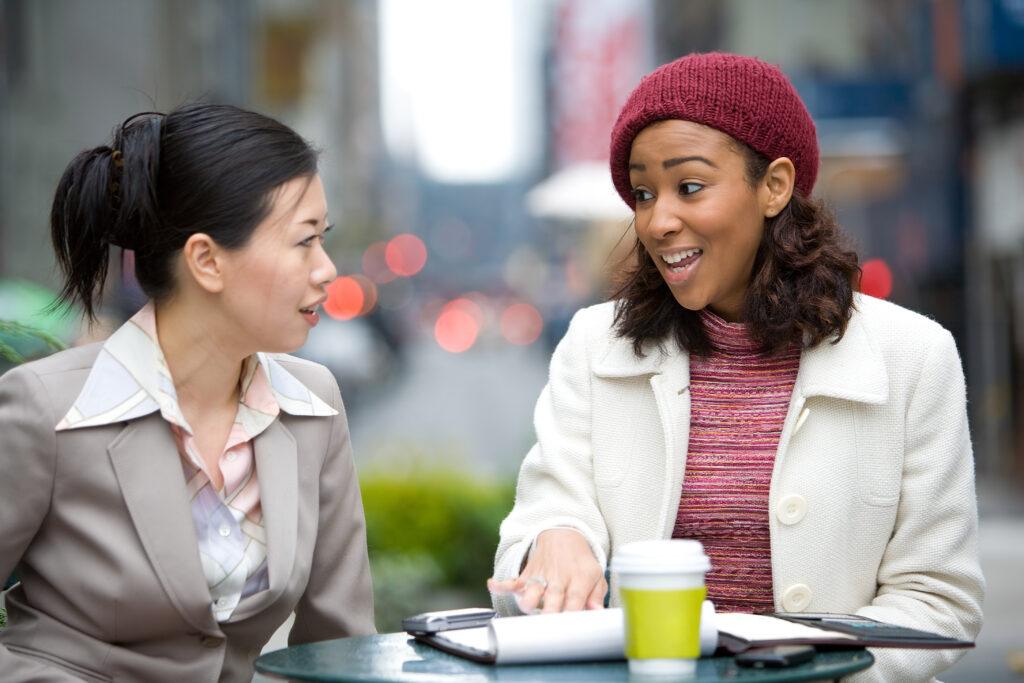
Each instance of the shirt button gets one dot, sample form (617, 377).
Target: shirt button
(791, 509)
(224, 530)
(796, 598)
(232, 456)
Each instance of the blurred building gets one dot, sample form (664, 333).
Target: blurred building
(991, 104)
(72, 69)
(920, 117)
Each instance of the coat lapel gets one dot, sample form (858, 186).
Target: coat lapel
(148, 469)
(851, 369)
(277, 469)
(671, 385)
(669, 370)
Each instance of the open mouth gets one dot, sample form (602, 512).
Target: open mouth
(310, 314)
(679, 261)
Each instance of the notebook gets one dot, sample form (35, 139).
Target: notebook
(740, 632)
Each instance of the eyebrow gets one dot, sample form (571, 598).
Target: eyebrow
(674, 161)
(312, 221)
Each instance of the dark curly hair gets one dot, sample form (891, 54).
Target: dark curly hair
(801, 287)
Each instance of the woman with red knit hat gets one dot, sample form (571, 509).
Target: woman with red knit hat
(737, 390)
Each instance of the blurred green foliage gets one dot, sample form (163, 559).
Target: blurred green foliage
(32, 322)
(432, 534)
(16, 341)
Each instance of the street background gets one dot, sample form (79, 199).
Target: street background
(465, 146)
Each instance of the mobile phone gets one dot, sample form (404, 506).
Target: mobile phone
(775, 657)
(447, 620)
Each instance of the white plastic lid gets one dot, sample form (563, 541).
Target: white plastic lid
(659, 557)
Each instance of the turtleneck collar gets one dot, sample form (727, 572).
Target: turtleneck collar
(727, 337)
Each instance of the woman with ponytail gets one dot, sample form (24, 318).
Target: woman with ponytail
(172, 495)
(738, 391)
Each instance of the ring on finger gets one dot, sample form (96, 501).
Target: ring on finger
(538, 580)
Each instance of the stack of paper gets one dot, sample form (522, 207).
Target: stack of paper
(591, 635)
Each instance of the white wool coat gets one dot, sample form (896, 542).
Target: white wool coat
(872, 502)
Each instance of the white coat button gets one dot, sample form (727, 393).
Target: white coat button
(791, 509)
(225, 530)
(796, 598)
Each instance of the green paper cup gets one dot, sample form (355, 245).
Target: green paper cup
(661, 584)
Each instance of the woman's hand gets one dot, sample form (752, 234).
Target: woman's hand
(561, 574)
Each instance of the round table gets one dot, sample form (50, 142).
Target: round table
(397, 657)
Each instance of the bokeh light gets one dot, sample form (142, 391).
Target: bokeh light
(405, 255)
(375, 264)
(458, 325)
(350, 296)
(370, 294)
(521, 324)
(472, 303)
(876, 278)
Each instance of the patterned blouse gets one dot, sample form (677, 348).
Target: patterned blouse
(130, 379)
(739, 401)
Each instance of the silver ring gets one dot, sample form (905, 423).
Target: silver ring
(537, 579)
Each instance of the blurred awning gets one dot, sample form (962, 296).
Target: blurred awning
(581, 192)
(862, 159)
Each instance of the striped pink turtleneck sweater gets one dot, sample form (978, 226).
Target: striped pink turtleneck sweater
(739, 400)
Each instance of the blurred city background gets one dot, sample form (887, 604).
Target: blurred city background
(464, 156)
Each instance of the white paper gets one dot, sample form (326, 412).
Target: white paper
(757, 627)
(569, 636)
(478, 638)
(563, 636)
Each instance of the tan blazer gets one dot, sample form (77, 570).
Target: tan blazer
(97, 522)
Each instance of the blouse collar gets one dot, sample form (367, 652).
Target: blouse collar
(130, 379)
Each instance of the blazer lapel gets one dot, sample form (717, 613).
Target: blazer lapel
(148, 469)
(277, 469)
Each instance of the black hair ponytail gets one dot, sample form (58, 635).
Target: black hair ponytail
(201, 168)
(106, 196)
(79, 220)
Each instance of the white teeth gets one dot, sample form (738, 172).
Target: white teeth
(679, 256)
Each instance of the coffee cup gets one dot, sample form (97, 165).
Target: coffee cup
(661, 585)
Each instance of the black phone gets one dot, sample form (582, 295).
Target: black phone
(447, 620)
(775, 657)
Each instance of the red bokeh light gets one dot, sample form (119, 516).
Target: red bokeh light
(876, 278)
(458, 325)
(350, 296)
(369, 293)
(375, 263)
(467, 305)
(405, 255)
(521, 324)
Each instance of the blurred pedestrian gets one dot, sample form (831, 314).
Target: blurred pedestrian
(738, 391)
(172, 495)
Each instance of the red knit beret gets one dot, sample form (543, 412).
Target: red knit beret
(748, 99)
